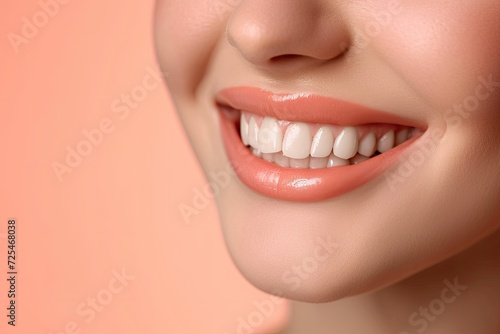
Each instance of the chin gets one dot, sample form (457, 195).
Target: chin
(309, 254)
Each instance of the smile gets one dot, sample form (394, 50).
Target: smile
(304, 147)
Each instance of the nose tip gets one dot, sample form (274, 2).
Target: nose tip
(270, 32)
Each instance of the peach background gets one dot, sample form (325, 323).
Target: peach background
(118, 209)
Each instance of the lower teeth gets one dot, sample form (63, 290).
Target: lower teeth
(310, 162)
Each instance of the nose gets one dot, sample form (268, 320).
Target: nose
(268, 32)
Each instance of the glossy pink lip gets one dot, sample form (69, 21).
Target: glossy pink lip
(292, 184)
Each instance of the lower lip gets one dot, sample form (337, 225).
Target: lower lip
(298, 184)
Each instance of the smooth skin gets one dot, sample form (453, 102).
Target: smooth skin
(396, 241)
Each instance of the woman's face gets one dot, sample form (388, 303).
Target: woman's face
(369, 142)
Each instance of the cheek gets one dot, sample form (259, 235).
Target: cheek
(441, 48)
(185, 34)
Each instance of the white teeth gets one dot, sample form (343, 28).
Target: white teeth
(299, 163)
(281, 160)
(244, 130)
(346, 144)
(334, 161)
(297, 141)
(322, 143)
(358, 158)
(267, 157)
(253, 133)
(385, 143)
(401, 136)
(297, 149)
(316, 163)
(256, 152)
(270, 136)
(367, 146)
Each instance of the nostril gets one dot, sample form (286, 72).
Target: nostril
(288, 57)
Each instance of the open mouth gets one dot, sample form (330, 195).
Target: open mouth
(304, 147)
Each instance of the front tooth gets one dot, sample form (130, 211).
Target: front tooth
(358, 158)
(270, 136)
(299, 163)
(334, 161)
(346, 144)
(401, 136)
(256, 152)
(297, 141)
(281, 160)
(367, 146)
(267, 156)
(253, 133)
(322, 143)
(244, 130)
(316, 163)
(385, 143)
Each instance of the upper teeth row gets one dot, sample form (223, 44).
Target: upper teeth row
(298, 143)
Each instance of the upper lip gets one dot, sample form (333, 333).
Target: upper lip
(306, 107)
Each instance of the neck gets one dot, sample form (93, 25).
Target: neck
(458, 296)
